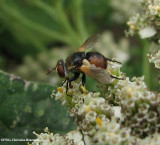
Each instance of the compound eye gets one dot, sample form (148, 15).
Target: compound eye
(60, 70)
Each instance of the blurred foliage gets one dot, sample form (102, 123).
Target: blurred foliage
(34, 34)
(35, 68)
(111, 48)
(38, 24)
(122, 12)
(26, 107)
(139, 65)
(2, 62)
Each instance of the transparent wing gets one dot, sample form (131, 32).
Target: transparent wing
(98, 74)
(89, 43)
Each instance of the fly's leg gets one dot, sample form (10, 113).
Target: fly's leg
(76, 75)
(83, 79)
(113, 60)
(83, 84)
(70, 85)
(67, 89)
(64, 81)
(116, 77)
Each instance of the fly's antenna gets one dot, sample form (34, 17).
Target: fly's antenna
(50, 70)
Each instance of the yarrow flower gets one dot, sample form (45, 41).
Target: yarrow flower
(146, 22)
(151, 140)
(147, 32)
(137, 104)
(47, 138)
(155, 59)
(97, 118)
(126, 112)
(112, 134)
(87, 109)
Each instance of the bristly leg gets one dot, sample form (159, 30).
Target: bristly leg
(76, 75)
(64, 81)
(83, 79)
(116, 77)
(113, 60)
(67, 89)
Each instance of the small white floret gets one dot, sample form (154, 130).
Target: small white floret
(147, 32)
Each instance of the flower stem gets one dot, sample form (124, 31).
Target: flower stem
(145, 63)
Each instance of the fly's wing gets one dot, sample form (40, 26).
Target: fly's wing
(89, 43)
(98, 74)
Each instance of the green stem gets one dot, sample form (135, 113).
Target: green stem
(145, 63)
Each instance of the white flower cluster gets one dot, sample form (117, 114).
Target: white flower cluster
(139, 106)
(125, 113)
(146, 23)
(71, 138)
(112, 134)
(151, 140)
(88, 108)
(155, 59)
(130, 92)
(94, 116)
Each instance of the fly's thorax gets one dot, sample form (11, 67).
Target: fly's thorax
(75, 60)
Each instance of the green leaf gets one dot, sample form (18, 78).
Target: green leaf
(26, 107)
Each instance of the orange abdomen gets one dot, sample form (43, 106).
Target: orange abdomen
(97, 59)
